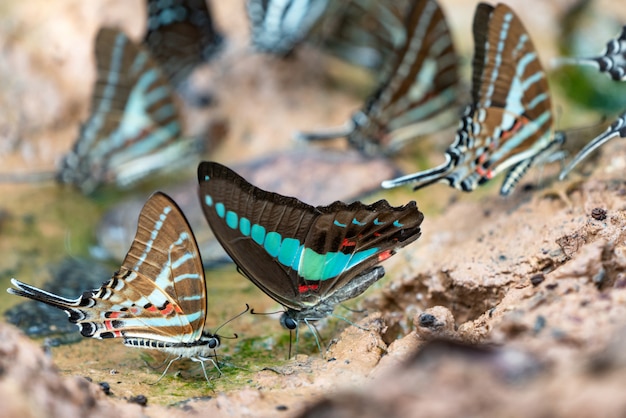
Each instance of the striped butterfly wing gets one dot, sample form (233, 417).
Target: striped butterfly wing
(508, 126)
(133, 116)
(181, 35)
(617, 129)
(421, 86)
(278, 26)
(163, 284)
(157, 295)
(296, 253)
(612, 62)
(419, 92)
(363, 32)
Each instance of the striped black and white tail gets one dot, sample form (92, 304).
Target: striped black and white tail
(617, 129)
(72, 307)
(612, 62)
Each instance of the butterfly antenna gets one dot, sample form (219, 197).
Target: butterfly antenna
(232, 319)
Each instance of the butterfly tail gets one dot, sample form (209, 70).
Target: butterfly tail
(423, 178)
(326, 134)
(617, 128)
(70, 306)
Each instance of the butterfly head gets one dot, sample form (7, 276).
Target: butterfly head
(288, 322)
(210, 341)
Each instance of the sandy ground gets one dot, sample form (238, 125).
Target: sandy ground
(504, 307)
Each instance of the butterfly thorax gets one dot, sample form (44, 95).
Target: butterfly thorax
(369, 135)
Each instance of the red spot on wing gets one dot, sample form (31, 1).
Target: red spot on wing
(108, 325)
(384, 255)
(519, 123)
(167, 309)
(347, 243)
(303, 288)
(152, 308)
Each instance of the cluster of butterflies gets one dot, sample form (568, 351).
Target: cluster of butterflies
(308, 259)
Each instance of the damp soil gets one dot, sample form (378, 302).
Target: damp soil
(504, 307)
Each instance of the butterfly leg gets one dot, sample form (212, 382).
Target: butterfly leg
(166, 369)
(202, 359)
(350, 322)
(315, 333)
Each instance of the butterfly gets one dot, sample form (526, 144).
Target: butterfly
(134, 128)
(157, 299)
(306, 258)
(181, 35)
(508, 125)
(617, 128)
(613, 60)
(278, 26)
(363, 32)
(419, 93)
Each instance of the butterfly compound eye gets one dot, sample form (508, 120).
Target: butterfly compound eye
(288, 322)
(214, 342)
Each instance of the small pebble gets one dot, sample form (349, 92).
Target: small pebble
(139, 399)
(537, 279)
(106, 388)
(427, 320)
(598, 214)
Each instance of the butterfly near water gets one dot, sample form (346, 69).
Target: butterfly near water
(508, 125)
(157, 299)
(306, 258)
(278, 26)
(134, 128)
(419, 92)
(617, 129)
(612, 61)
(181, 35)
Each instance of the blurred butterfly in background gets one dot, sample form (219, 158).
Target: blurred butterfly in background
(278, 26)
(508, 125)
(306, 258)
(134, 128)
(612, 61)
(181, 35)
(419, 92)
(366, 33)
(157, 299)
